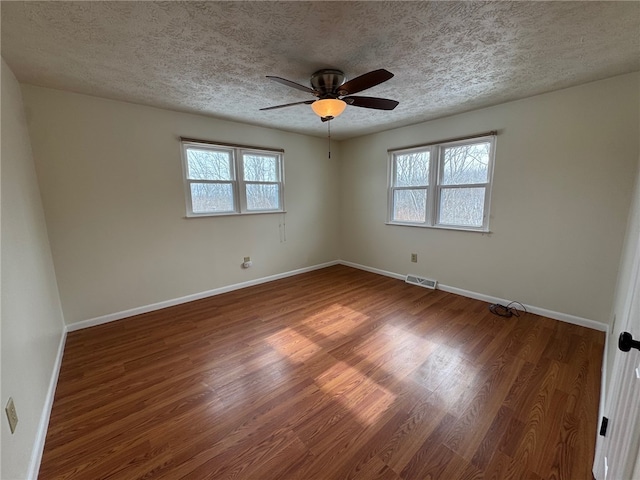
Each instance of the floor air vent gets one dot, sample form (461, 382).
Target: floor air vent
(421, 282)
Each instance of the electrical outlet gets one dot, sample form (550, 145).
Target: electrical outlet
(414, 257)
(247, 259)
(12, 415)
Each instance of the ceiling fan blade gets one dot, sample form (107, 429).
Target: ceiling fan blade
(289, 83)
(365, 81)
(371, 102)
(306, 102)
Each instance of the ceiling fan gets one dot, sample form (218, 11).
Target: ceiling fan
(334, 93)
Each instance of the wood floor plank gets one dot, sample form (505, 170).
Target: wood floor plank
(433, 456)
(333, 374)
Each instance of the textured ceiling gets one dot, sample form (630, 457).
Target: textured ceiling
(212, 57)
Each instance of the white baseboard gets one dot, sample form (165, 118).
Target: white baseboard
(92, 322)
(372, 270)
(41, 435)
(563, 317)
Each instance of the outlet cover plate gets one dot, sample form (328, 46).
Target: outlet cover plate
(414, 257)
(12, 415)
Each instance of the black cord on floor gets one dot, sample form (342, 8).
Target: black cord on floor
(507, 310)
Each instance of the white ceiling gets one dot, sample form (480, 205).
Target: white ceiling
(212, 57)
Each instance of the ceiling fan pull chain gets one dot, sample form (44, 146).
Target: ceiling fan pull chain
(329, 128)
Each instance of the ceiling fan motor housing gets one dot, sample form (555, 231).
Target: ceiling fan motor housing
(327, 81)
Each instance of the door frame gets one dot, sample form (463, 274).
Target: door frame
(615, 405)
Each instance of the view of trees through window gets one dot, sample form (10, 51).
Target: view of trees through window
(464, 165)
(462, 206)
(212, 197)
(412, 174)
(214, 187)
(458, 173)
(215, 166)
(264, 194)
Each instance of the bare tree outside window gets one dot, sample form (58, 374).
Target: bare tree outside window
(261, 178)
(216, 167)
(208, 165)
(260, 168)
(464, 165)
(411, 170)
(462, 206)
(410, 205)
(212, 197)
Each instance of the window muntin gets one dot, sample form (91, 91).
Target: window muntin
(445, 185)
(221, 180)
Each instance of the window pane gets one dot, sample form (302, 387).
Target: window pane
(462, 206)
(211, 197)
(410, 205)
(263, 197)
(260, 168)
(208, 165)
(466, 164)
(412, 169)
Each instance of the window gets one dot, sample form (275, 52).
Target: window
(231, 180)
(444, 185)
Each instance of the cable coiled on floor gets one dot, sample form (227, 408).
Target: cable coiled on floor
(507, 310)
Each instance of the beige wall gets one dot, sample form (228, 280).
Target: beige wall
(32, 325)
(111, 182)
(564, 171)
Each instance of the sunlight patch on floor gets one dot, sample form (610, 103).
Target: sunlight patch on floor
(326, 320)
(365, 399)
(293, 345)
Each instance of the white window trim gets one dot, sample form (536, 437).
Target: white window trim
(238, 184)
(435, 188)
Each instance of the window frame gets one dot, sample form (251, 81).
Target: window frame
(238, 182)
(435, 186)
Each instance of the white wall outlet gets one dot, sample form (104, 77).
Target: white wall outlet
(414, 257)
(247, 259)
(12, 415)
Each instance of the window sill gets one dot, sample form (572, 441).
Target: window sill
(232, 214)
(440, 227)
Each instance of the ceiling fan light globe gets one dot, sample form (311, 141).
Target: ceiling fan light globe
(328, 107)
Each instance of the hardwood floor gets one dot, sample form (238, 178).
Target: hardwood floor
(333, 374)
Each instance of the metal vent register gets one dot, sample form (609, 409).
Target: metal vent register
(421, 281)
